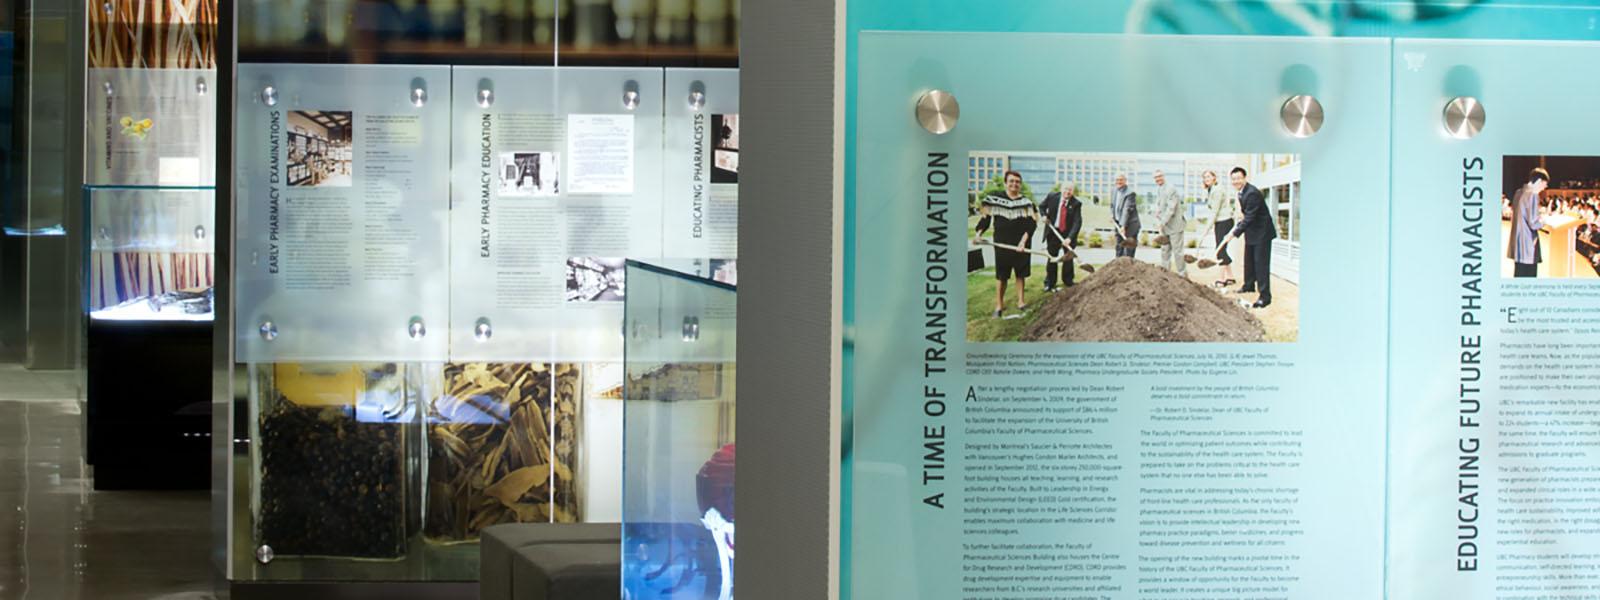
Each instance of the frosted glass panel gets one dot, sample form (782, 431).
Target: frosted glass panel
(342, 208)
(150, 127)
(701, 178)
(557, 182)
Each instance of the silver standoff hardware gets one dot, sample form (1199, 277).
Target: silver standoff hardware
(938, 112)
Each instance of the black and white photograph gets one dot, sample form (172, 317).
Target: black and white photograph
(530, 174)
(591, 279)
(725, 149)
(321, 152)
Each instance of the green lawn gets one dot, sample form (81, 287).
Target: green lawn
(981, 324)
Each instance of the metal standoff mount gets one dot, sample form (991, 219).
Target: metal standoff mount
(269, 96)
(268, 330)
(485, 93)
(1463, 117)
(200, 86)
(482, 331)
(630, 95)
(416, 329)
(1302, 116)
(691, 329)
(419, 97)
(938, 112)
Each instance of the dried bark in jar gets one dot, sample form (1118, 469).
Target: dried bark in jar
(489, 454)
(565, 405)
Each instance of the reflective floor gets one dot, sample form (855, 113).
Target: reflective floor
(61, 540)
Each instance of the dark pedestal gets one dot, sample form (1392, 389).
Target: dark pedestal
(149, 404)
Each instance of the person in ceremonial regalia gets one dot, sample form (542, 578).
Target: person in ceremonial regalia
(1013, 218)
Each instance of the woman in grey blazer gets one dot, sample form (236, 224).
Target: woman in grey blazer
(1224, 213)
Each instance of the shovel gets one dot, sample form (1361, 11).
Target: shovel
(1204, 263)
(1067, 248)
(988, 242)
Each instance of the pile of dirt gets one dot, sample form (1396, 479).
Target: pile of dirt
(1131, 301)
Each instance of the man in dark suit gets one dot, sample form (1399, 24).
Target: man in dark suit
(1063, 214)
(1258, 231)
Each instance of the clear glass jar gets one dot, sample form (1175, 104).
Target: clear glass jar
(331, 460)
(502, 441)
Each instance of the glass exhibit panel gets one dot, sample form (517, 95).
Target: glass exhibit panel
(150, 253)
(341, 229)
(679, 453)
(150, 127)
(557, 182)
(701, 175)
(1010, 441)
(1495, 198)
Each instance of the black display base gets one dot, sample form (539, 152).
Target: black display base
(149, 405)
(352, 591)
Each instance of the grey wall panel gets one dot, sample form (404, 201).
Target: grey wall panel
(788, 289)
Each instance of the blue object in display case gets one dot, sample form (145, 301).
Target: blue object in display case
(678, 456)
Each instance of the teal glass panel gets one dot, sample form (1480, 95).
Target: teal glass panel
(1492, 463)
(1093, 486)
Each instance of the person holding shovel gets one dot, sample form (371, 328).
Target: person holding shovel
(1063, 218)
(1014, 219)
(1224, 213)
(1171, 220)
(1125, 213)
(1258, 231)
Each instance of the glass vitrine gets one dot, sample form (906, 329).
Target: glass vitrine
(679, 402)
(150, 253)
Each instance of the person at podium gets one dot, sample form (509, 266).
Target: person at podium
(1526, 221)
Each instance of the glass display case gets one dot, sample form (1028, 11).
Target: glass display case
(679, 403)
(148, 265)
(149, 275)
(151, 253)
